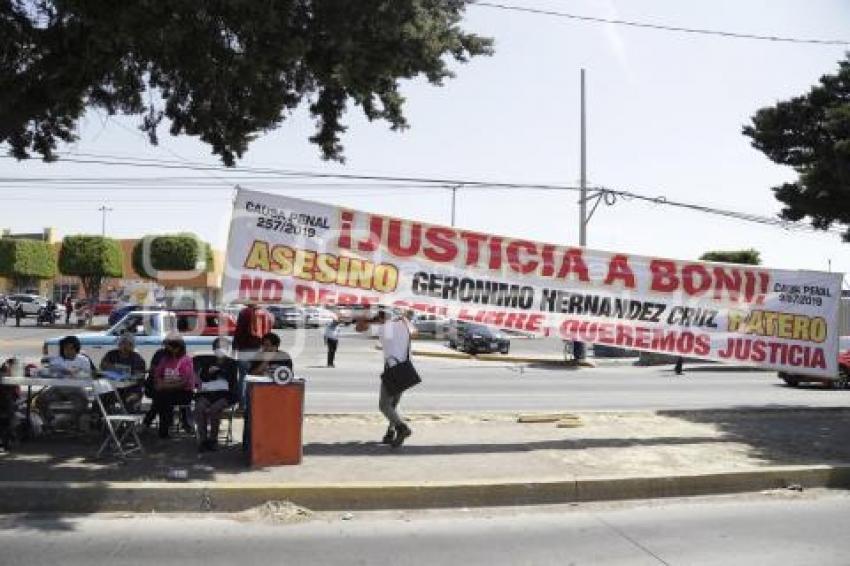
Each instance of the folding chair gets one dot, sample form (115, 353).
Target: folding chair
(122, 434)
(228, 437)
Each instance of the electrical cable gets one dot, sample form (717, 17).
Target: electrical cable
(662, 27)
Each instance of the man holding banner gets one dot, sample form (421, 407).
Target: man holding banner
(395, 334)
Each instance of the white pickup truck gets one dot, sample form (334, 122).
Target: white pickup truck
(198, 328)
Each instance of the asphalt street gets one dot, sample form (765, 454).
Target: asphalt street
(470, 385)
(779, 528)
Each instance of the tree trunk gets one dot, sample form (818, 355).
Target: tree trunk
(91, 284)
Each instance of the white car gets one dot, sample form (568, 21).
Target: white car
(317, 316)
(32, 303)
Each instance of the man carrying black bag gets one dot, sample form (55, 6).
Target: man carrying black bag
(399, 375)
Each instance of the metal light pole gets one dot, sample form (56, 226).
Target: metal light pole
(454, 198)
(104, 209)
(582, 224)
(579, 350)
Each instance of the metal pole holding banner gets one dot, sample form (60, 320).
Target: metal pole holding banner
(579, 352)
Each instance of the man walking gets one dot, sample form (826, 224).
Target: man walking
(395, 334)
(69, 309)
(332, 340)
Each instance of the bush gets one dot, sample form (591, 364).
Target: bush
(174, 252)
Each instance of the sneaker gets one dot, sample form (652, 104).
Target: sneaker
(389, 437)
(402, 432)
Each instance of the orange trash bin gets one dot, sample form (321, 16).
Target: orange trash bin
(276, 415)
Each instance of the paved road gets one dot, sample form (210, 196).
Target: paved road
(780, 529)
(469, 385)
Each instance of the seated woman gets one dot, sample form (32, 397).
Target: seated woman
(10, 396)
(69, 364)
(173, 381)
(217, 390)
(127, 362)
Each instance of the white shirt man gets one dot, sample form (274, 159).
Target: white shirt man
(395, 340)
(394, 334)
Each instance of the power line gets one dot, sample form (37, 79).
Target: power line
(608, 195)
(662, 27)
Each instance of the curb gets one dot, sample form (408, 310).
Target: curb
(93, 497)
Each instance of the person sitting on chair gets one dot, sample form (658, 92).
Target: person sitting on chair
(173, 381)
(217, 390)
(69, 364)
(127, 362)
(270, 356)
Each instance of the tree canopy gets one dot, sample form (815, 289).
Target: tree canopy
(224, 71)
(746, 257)
(24, 260)
(175, 252)
(811, 133)
(91, 258)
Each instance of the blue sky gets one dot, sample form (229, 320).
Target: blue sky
(665, 113)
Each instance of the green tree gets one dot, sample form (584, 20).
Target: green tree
(174, 252)
(746, 257)
(222, 71)
(811, 133)
(24, 261)
(92, 259)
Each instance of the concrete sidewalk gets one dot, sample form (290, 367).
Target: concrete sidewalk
(451, 460)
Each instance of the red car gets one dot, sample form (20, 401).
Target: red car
(840, 381)
(205, 322)
(104, 308)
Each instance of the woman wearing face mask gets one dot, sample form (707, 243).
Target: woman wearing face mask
(218, 390)
(173, 381)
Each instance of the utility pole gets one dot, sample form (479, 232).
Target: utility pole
(579, 350)
(454, 198)
(582, 224)
(104, 209)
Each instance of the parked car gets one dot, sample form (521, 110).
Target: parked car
(205, 322)
(840, 381)
(287, 316)
(344, 313)
(315, 317)
(103, 308)
(31, 304)
(198, 328)
(477, 339)
(431, 324)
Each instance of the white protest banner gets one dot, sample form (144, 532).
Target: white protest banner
(283, 249)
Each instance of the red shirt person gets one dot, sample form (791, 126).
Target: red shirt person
(252, 324)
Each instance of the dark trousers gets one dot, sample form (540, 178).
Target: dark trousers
(163, 406)
(332, 344)
(208, 411)
(678, 367)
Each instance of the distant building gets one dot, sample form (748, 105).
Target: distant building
(176, 286)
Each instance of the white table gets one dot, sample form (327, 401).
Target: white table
(89, 384)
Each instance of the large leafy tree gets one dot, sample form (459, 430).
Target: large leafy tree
(24, 261)
(811, 133)
(222, 70)
(92, 259)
